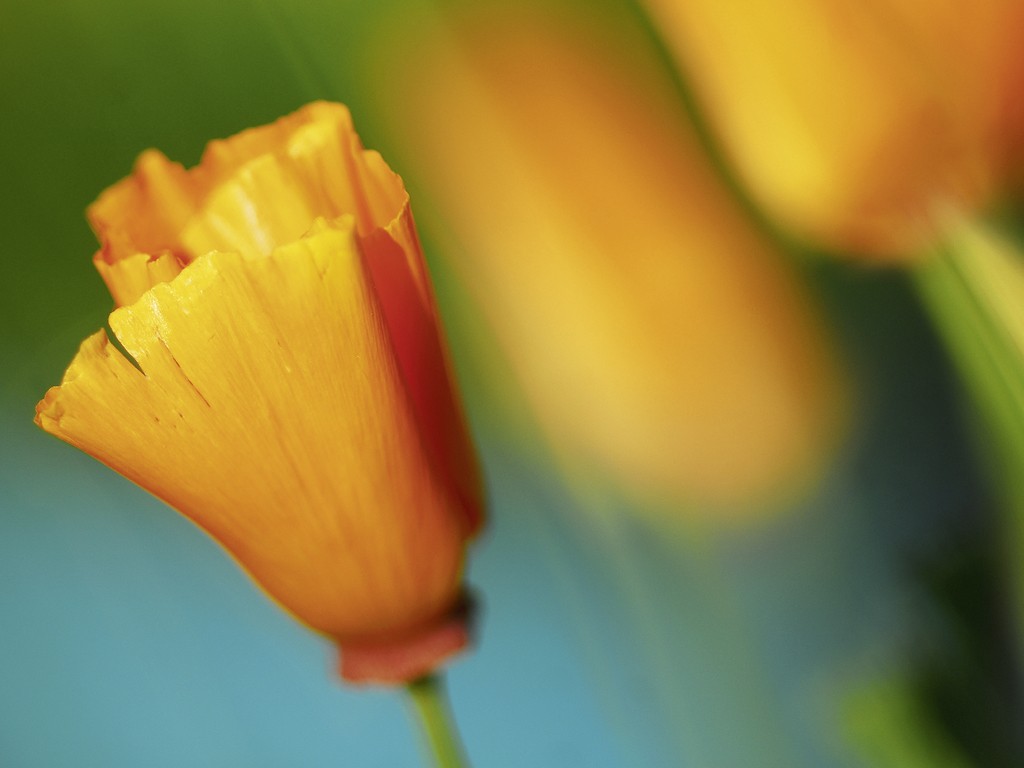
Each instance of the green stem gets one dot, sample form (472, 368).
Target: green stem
(428, 702)
(973, 286)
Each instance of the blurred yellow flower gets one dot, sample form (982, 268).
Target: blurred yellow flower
(851, 120)
(659, 340)
(288, 389)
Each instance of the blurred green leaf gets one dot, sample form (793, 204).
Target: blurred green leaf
(974, 288)
(888, 728)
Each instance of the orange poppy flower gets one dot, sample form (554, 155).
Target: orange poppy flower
(851, 121)
(667, 351)
(288, 389)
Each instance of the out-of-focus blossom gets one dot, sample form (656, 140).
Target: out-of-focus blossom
(287, 388)
(661, 343)
(850, 121)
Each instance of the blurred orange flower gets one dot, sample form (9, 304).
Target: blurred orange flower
(851, 120)
(664, 347)
(288, 388)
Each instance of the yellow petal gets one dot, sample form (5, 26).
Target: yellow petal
(250, 193)
(129, 278)
(265, 187)
(271, 410)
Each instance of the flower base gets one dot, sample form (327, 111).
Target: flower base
(401, 660)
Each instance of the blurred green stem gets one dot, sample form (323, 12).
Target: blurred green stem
(428, 702)
(973, 287)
